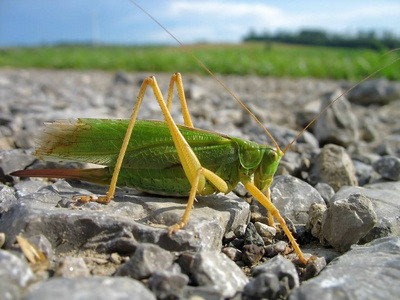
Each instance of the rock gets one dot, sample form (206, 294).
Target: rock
(265, 286)
(27, 187)
(147, 259)
(7, 198)
(348, 220)
(101, 288)
(389, 185)
(236, 243)
(93, 226)
(334, 167)
(42, 244)
(214, 269)
(388, 167)
(371, 271)
(264, 230)
(365, 173)
(202, 293)
(14, 160)
(390, 146)
(314, 266)
(338, 125)
(252, 254)
(273, 279)
(325, 190)
(168, 285)
(386, 206)
(122, 78)
(375, 91)
(308, 112)
(15, 276)
(72, 267)
(186, 261)
(251, 236)
(293, 198)
(233, 253)
(315, 219)
(229, 236)
(276, 248)
(240, 231)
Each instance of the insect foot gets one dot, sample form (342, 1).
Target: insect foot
(175, 228)
(92, 198)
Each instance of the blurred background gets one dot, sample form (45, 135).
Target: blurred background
(340, 39)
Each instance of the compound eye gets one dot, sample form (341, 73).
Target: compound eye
(274, 155)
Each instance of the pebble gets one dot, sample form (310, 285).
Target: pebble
(274, 279)
(338, 125)
(15, 276)
(251, 236)
(375, 91)
(101, 288)
(252, 254)
(276, 248)
(386, 206)
(212, 268)
(325, 190)
(388, 167)
(301, 196)
(72, 267)
(168, 285)
(334, 167)
(264, 230)
(147, 259)
(315, 219)
(233, 253)
(347, 220)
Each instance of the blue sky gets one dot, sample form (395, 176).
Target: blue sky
(35, 22)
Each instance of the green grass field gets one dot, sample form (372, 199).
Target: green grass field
(276, 60)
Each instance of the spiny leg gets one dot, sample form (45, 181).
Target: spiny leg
(270, 216)
(275, 213)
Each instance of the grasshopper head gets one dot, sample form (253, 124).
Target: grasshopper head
(264, 174)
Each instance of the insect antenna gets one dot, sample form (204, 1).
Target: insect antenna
(340, 96)
(187, 50)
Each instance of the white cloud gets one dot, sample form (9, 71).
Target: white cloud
(230, 20)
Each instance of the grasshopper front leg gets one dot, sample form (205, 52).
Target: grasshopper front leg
(274, 212)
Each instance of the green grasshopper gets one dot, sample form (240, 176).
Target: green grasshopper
(164, 158)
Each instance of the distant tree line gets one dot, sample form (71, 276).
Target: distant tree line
(363, 39)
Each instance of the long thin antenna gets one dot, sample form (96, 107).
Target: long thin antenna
(187, 50)
(330, 104)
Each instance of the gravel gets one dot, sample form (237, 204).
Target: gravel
(337, 188)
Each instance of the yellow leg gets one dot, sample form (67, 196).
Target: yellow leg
(217, 181)
(177, 79)
(266, 202)
(270, 216)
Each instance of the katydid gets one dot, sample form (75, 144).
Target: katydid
(161, 157)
